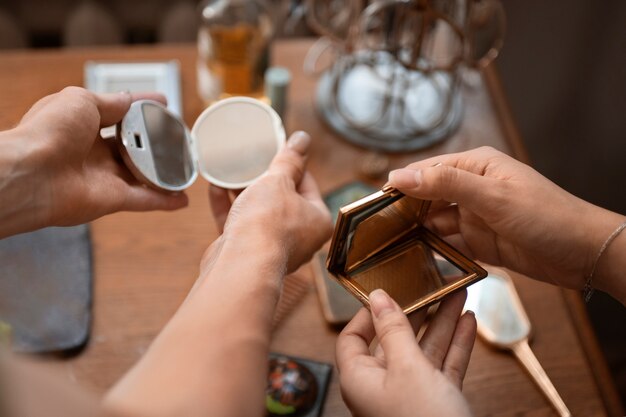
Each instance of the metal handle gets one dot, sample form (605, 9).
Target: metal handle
(524, 353)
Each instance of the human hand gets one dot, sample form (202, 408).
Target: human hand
(403, 377)
(284, 206)
(72, 175)
(508, 214)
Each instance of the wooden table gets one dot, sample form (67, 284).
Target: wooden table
(144, 263)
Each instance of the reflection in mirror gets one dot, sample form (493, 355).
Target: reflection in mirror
(448, 271)
(386, 249)
(168, 144)
(406, 276)
(381, 242)
(377, 228)
(498, 311)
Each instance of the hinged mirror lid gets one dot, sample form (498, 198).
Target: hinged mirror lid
(380, 242)
(231, 144)
(156, 146)
(235, 140)
(370, 224)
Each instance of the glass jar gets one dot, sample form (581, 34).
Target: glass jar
(233, 48)
(395, 83)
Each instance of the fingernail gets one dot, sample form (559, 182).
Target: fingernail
(299, 142)
(108, 132)
(127, 95)
(470, 312)
(405, 178)
(380, 303)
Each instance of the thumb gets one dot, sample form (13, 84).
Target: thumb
(446, 183)
(291, 160)
(393, 329)
(220, 203)
(113, 106)
(140, 198)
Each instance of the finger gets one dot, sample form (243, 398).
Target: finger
(140, 198)
(460, 351)
(40, 104)
(149, 95)
(438, 205)
(309, 190)
(378, 352)
(416, 319)
(355, 338)
(219, 200)
(393, 329)
(474, 160)
(233, 194)
(114, 106)
(438, 335)
(105, 153)
(445, 183)
(458, 241)
(444, 222)
(290, 161)
(104, 158)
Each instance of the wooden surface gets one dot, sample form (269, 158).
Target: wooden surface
(144, 263)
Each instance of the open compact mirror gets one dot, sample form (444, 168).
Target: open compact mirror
(380, 242)
(231, 144)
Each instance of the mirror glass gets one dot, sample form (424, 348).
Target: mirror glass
(409, 274)
(378, 226)
(168, 145)
(236, 140)
(387, 248)
(498, 310)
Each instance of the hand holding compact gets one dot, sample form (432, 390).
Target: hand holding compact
(403, 377)
(284, 206)
(68, 170)
(508, 214)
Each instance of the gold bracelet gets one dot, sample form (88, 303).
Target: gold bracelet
(588, 289)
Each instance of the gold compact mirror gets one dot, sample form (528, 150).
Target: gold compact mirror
(380, 242)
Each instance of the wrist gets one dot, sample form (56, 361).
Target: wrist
(606, 273)
(258, 245)
(20, 185)
(236, 249)
(259, 238)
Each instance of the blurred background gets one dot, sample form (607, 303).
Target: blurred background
(563, 67)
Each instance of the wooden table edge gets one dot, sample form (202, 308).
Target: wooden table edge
(573, 299)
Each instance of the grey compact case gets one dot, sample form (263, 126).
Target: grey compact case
(231, 144)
